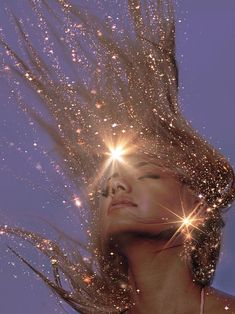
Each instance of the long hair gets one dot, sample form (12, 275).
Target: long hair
(125, 85)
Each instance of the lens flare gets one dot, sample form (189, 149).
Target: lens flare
(77, 201)
(187, 221)
(116, 153)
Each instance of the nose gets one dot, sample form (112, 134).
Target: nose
(120, 183)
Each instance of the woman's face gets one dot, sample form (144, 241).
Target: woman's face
(150, 197)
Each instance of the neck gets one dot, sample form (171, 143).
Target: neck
(160, 278)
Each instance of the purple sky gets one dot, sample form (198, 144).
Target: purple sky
(205, 49)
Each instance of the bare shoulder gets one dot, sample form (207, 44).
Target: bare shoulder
(219, 302)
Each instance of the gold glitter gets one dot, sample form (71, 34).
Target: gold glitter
(53, 261)
(77, 201)
(87, 279)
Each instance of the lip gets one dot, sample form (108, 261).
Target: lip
(120, 203)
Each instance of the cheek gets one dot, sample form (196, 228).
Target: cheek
(162, 199)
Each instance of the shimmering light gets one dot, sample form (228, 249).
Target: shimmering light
(187, 221)
(123, 146)
(117, 153)
(54, 261)
(77, 201)
(87, 279)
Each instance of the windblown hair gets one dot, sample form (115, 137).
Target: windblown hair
(129, 76)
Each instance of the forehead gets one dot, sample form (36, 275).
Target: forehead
(134, 162)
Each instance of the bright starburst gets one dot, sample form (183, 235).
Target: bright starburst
(77, 201)
(185, 222)
(117, 153)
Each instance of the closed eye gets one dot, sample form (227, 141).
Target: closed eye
(105, 192)
(151, 176)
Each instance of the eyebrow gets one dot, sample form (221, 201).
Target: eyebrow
(138, 165)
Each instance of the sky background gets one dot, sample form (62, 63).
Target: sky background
(205, 51)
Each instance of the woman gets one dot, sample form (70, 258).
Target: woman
(122, 110)
(147, 216)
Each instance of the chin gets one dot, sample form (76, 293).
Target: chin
(119, 232)
(133, 221)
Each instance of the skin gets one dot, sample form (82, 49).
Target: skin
(160, 277)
